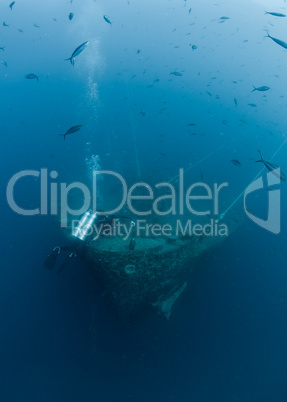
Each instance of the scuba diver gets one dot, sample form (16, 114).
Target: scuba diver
(82, 237)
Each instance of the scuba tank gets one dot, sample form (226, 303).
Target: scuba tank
(80, 234)
(85, 226)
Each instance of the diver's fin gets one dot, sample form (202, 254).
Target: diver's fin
(66, 262)
(51, 260)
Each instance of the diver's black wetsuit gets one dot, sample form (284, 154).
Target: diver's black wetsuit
(78, 248)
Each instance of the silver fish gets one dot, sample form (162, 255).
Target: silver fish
(261, 89)
(236, 162)
(272, 168)
(278, 41)
(77, 51)
(106, 18)
(32, 76)
(71, 130)
(276, 14)
(176, 73)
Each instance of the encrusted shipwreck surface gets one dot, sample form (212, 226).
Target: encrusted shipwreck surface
(154, 273)
(138, 272)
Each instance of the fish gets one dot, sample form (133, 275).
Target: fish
(275, 14)
(32, 76)
(276, 170)
(20, 30)
(261, 89)
(76, 52)
(71, 130)
(191, 124)
(71, 15)
(4, 63)
(176, 73)
(2, 48)
(278, 41)
(194, 47)
(225, 122)
(235, 102)
(236, 162)
(12, 4)
(252, 104)
(224, 18)
(106, 18)
(36, 26)
(5, 25)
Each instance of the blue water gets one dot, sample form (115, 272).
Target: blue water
(60, 340)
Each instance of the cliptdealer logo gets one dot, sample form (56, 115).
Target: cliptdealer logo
(273, 221)
(178, 200)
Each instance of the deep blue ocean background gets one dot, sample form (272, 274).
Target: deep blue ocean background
(226, 338)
